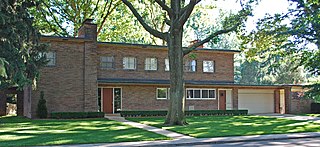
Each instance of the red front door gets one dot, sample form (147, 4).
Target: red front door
(222, 100)
(107, 100)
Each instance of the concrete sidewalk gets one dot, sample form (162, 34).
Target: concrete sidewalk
(292, 117)
(164, 132)
(202, 141)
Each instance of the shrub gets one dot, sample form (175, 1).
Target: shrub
(42, 111)
(70, 115)
(187, 113)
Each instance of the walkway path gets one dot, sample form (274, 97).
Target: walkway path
(292, 117)
(174, 135)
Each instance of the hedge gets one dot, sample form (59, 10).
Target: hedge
(187, 113)
(68, 115)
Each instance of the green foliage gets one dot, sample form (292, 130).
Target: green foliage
(68, 115)
(19, 47)
(187, 113)
(42, 111)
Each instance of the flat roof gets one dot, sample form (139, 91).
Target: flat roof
(164, 47)
(189, 82)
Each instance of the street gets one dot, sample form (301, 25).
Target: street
(304, 142)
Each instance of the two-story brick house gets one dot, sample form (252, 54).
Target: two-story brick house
(85, 75)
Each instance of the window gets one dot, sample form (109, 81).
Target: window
(129, 63)
(208, 66)
(51, 57)
(191, 65)
(107, 62)
(166, 63)
(163, 93)
(201, 93)
(151, 64)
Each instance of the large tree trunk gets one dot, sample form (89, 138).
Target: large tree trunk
(175, 114)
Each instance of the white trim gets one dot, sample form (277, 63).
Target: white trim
(161, 98)
(215, 93)
(105, 87)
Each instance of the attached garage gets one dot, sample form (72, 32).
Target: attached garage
(256, 100)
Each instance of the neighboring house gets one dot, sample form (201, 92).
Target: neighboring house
(85, 75)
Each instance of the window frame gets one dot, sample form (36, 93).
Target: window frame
(128, 63)
(148, 64)
(107, 62)
(167, 94)
(53, 58)
(201, 97)
(166, 64)
(203, 66)
(188, 66)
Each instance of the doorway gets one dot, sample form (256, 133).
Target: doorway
(111, 100)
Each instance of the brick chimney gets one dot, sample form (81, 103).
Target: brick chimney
(88, 30)
(194, 42)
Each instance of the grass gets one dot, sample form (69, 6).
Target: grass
(218, 126)
(16, 131)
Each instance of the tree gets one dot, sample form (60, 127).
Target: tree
(19, 44)
(177, 13)
(42, 111)
(298, 38)
(64, 18)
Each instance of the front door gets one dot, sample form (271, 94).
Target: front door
(107, 100)
(222, 99)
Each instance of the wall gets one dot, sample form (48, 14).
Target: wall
(144, 98)
(224, 70)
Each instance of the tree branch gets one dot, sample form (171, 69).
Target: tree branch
(215, 34)
(152, 31)
(165, 7)
(109, 11)
(186, 12)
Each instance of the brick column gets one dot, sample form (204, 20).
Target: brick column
(287, 99)
(3, 103)
(277, 101)
(235, 98)
(20, 103)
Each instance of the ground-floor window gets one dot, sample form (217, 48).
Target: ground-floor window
(192, 93)
(163, 93)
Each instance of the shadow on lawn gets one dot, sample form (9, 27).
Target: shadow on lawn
(218, 126)
(17, 131)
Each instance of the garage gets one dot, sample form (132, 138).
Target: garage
(256, 100)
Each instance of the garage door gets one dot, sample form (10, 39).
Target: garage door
(256, 101)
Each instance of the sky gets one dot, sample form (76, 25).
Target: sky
(264, 7)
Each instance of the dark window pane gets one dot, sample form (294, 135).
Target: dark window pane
(211, 94)
(196, 93)
(162, 93)
(205, 94)
(189, 93)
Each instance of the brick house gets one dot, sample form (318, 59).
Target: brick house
(85, 75)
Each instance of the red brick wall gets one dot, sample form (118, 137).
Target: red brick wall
(63, 84)
(224, 68)
(144, 98)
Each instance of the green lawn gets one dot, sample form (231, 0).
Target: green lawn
(15, 131)
(217, 126)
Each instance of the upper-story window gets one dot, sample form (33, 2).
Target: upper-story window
(129, 63)
(166, 63)
(190, 65)
(208, 66)
(151, 64)
(107, 62)
(51, 57)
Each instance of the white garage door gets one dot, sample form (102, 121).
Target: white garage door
(256, 101)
